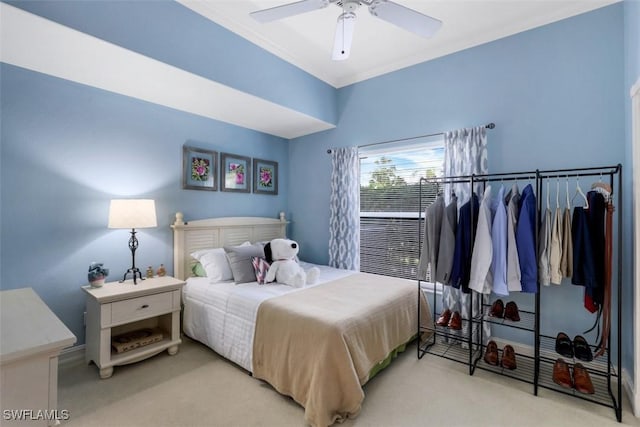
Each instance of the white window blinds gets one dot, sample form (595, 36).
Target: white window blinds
(390, 203)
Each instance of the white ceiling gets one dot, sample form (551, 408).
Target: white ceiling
(379, 47)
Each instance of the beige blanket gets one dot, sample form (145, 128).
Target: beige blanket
(318, 345)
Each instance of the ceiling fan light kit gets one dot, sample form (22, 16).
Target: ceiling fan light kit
(394, 13)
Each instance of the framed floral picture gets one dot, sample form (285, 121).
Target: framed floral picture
(235, 173)
(265, 177)
(199, 169)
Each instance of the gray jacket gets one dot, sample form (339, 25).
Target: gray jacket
(447, 242)
(431, 244)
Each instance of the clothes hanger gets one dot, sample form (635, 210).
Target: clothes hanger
(548, 203)
(581, 193)
(568, 201)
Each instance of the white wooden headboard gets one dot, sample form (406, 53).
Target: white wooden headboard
(191, 236)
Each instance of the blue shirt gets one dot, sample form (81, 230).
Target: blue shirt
(526, 240)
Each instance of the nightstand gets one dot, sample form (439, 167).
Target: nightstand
(118, 308)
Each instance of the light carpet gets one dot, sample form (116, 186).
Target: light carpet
(196, 387)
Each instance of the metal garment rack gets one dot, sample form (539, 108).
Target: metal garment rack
(536, 370)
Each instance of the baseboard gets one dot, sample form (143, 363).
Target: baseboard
(629, 388)
(73, 354)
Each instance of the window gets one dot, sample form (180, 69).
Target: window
(390, 203)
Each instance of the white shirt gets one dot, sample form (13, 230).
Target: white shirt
(481, 279)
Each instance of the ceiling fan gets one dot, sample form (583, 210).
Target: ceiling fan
(394, 13)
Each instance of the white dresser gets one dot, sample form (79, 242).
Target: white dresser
(31, 338)
(117, 308)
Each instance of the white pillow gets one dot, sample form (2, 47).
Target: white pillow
(215, 263)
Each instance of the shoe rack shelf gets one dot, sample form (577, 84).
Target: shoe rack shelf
(525, 371)
(601, 371)
(536, 368)
(526, 322)
(448, 343)
(602, 384)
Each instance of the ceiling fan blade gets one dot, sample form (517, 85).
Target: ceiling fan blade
(286, 10)
(344, 36)
(405, 18)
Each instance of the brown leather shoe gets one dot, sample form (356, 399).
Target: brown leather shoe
(508, 358)
(456, 321)
(511, 312)
(491, 353)
(581, 380)
(561, 374)
(443, 320)
(497, 309)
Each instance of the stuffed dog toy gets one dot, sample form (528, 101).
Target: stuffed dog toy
(284, 269)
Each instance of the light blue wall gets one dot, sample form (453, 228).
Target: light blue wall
(555, 94)
(631, 76)
(67, 149)
(169, 32)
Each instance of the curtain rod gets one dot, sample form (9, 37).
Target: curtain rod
(488, 126)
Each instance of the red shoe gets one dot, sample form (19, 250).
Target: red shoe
(443, 320)
(456, 321)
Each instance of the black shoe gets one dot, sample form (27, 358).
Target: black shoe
(564, 345)
(581, 349)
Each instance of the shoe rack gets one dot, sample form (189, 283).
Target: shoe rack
(604, 371)
(526, 363)
(441, 340)
(468, 346)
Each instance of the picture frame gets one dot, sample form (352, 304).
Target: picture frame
(199, 169)
(265, 177)
(235, 173)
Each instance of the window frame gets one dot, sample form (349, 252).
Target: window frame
(398, 148)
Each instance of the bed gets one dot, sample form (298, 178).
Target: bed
(319, 344)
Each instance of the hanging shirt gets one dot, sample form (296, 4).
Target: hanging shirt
(461, 268)
(447, 242)
(566, 262)
(555, 249)
(543, 249)
(584, 269)
(432, 225)
(481, 279)
(499, 245)
(526, 241)
(513, 264)
(594, 295)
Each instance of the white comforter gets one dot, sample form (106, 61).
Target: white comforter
(222, 315)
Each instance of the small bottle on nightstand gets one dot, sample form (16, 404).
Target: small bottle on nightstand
(149, 272)
(161, 271)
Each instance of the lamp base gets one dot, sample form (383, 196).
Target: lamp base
(137, 274)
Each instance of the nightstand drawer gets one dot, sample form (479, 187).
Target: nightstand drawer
(140, 308)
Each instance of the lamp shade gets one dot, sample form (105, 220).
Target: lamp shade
(132, 213)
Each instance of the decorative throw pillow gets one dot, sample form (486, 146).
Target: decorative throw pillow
(240, 261)
(198, 270)
(260, 267)
(215, 264)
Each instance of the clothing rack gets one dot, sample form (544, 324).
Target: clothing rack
(602, 372)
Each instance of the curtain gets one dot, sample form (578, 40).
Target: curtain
(344, 209)
(465, 153)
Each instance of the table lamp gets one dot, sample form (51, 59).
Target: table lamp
(132, 213)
